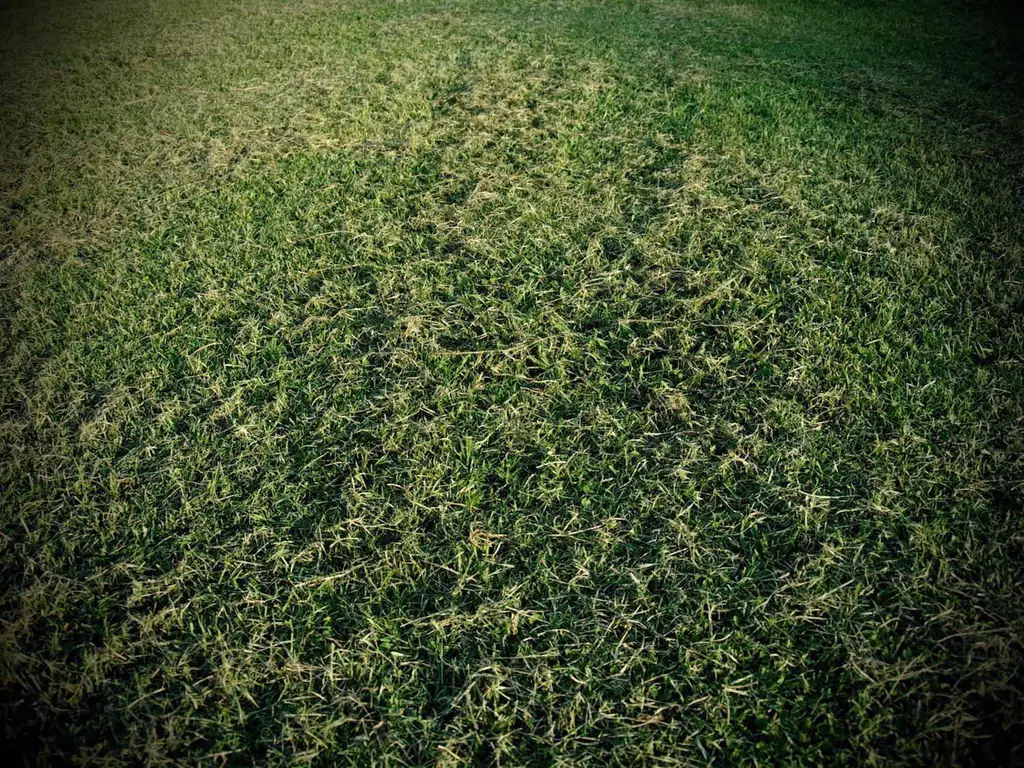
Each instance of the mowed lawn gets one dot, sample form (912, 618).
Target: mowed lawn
(469, 382)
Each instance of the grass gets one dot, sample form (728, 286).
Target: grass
(513, 383)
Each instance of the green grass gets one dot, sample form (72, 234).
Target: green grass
(514, 383)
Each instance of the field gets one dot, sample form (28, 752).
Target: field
(469, 382)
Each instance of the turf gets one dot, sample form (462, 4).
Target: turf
(513, 383)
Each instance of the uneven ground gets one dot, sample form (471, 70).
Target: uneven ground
(576, 383)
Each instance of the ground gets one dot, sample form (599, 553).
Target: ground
(515, 383)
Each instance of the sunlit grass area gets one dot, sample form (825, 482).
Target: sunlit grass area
(511, 383)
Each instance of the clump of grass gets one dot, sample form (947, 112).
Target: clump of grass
(522, 384)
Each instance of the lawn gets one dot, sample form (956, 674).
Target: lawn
(512, 382)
